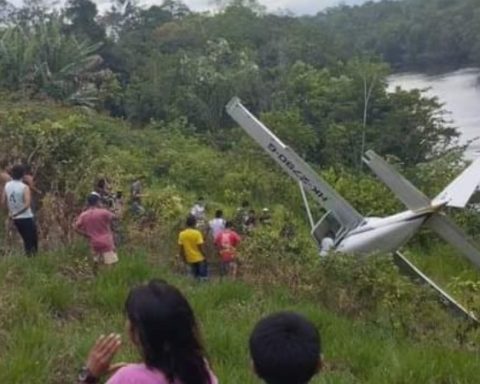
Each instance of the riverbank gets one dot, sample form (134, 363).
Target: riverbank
(460, 93)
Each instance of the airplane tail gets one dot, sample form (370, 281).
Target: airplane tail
(456, 194)
(460, 190)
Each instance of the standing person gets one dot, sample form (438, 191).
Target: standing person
(29, 179)
(227, 241)
(95, 223)
(199, 212)
(251, 221)
(4, 179)
(162, 327)
(217, 224)
(5, 176)
(241, 216)
(265, 217)
(18, 198)
(136, 194)
(198, 209)
(119, 204)
(190, 242)
(102, 189)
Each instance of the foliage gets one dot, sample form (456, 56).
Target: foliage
(166, 63)
(39, 59)
(56, 147)
(409, 33)
(53, 309)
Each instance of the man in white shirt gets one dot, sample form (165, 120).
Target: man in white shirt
(217, 224)
(17, 198)
(198, 209)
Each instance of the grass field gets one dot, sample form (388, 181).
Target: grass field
(52, 309)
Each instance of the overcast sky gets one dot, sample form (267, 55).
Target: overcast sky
(296, 6)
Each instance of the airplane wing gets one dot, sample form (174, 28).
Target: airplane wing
(295, 166)
(459, 192)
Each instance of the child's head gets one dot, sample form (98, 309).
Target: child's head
(285, 349)
(163, 326)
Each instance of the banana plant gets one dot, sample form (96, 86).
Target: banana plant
(40, 59)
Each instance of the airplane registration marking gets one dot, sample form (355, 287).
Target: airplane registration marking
(304, 179)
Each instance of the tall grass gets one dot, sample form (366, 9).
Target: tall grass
(52, 309)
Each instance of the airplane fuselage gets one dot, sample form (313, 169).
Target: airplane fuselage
(383, 234)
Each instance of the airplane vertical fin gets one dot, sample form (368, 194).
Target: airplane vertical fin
(295, 166)
(405, 191)
(459, 192)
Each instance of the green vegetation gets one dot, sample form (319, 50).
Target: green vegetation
(167, 63)
(426, 35)
(141, 92)
(53, 309)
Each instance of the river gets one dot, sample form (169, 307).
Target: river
(459, 91)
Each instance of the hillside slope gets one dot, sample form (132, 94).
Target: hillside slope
(52, 309)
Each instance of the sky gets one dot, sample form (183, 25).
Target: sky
(298, 7)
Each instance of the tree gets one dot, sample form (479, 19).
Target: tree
(41, 60)
(371, 76)
(82, 15)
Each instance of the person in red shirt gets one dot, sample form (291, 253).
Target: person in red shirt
(227, 241)
(95, 223)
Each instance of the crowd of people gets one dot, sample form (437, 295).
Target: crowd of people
(99, 223)
(284, 347)
(222, 234)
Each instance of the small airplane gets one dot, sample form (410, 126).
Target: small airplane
(353, 233)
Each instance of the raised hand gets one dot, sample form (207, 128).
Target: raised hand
(102, 353)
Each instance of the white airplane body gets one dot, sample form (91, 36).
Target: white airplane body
(355, 234)
(385, 234)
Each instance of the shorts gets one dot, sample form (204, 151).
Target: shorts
(107, 258)
(199, 270)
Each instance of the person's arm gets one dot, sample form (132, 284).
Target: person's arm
(100, 358)
(27, 200)
(200, 244)
(30, 181)
(181, 249)
(78, 227)
(3, 200)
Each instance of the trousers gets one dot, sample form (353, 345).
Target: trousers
(28, 231)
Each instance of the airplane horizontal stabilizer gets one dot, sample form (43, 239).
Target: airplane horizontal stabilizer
(453, 234)
(408, 268)
(459, 192)
(405, 191)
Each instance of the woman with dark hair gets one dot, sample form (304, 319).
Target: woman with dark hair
(161, 324)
